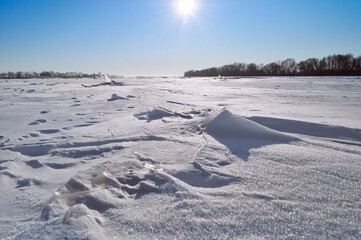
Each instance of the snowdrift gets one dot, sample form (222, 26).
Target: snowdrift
(227, 125)
(309, 128)
(240, 134)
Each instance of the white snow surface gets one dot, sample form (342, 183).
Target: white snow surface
(179, 158)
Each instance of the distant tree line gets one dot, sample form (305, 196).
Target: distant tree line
(47, 74)
(333, 65)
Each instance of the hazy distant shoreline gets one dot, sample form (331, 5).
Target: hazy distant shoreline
(332, 65)
(47, 74)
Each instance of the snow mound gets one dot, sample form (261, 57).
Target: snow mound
(227, 125)
(240, 135)
(160, 113)
(155, 114)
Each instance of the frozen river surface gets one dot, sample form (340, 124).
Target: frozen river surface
(174, 158)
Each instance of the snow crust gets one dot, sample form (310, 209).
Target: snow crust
(175, 158)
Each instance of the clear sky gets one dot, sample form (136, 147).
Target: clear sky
(149, 37)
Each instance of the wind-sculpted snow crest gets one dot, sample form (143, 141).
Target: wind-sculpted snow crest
(227, 125)
(239, 134)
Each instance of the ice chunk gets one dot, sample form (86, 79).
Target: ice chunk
(106, 179)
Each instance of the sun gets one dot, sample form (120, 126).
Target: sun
(186, 7)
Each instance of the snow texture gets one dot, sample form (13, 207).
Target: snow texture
(177, 158)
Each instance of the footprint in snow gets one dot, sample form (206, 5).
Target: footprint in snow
(131, 96)
(49, 131)
(36, 122)
(87, 124)
(59, 165)
(34, 164)
(27, 182)
(3, 141)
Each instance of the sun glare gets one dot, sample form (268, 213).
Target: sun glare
(186, 7)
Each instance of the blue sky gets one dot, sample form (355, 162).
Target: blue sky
(148, 37)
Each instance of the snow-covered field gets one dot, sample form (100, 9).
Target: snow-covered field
(173, 158)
